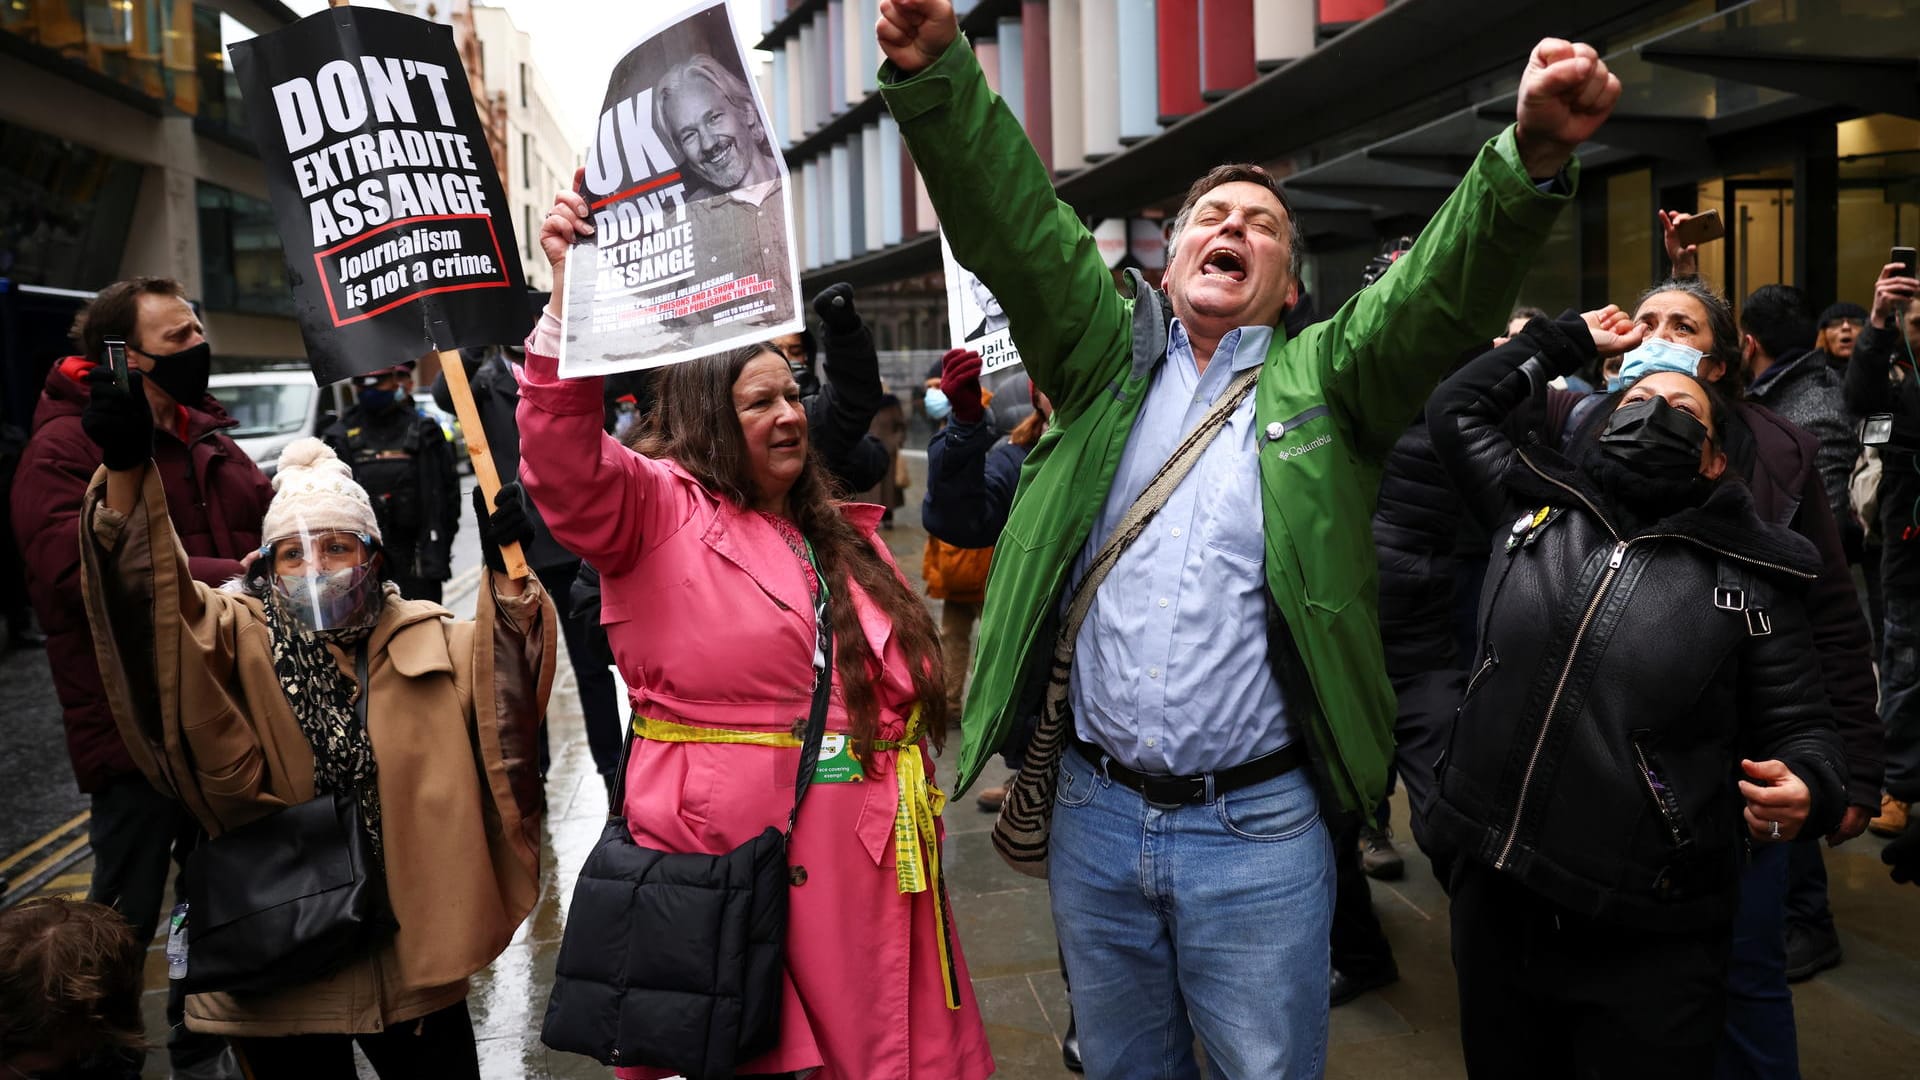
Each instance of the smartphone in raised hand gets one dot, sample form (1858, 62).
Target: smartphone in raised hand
(1700, 228)
(117, 360)
(1905, 257)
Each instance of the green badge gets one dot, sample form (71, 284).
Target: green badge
(837, 765)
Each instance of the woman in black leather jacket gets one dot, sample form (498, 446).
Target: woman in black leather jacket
(1644, 706)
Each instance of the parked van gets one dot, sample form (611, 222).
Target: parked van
(275, 408)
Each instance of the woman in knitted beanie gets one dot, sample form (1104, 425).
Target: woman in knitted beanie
(247, 700)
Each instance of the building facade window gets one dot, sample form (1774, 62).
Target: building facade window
(64, 210)
(523, 86)
(526, 160)
(242, 268)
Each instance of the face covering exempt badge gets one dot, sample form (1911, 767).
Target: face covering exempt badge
(837, 765)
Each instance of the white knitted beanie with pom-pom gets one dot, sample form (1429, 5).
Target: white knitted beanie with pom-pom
(314, 492)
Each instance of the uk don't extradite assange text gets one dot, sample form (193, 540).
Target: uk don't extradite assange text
(691, 252)
(397, 232)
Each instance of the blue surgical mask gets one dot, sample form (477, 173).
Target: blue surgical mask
(377, 400)
(1656, 354)
(937, 404)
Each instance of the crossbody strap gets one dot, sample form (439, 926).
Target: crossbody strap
(1149, 502)
(366, 688)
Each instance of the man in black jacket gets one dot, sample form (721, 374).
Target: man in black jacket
(405, 463)
(1880, 380)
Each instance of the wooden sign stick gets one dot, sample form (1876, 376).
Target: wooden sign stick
(454, 371)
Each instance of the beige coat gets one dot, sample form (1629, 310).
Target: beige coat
(453, 715)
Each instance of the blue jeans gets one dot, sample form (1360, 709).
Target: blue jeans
(1760, 1041)
(1207, 918)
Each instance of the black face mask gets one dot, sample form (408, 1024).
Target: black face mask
(1655, 440)
(183, 375)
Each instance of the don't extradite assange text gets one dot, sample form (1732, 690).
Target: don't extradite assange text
(386, 193)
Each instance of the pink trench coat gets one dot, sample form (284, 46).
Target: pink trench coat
(708, 613)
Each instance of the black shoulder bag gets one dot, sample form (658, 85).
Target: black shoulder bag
(287, 898)
(673, 961)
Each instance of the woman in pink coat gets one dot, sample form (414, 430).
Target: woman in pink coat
(703, 541)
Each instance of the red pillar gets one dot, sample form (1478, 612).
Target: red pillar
(1039, 78)
(1178, 23)
(1226, 46)
(1347, 12)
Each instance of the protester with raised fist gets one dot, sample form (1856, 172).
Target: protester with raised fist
(1234, 638)
(165, 415)
(310, 677)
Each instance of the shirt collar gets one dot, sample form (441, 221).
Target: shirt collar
(1247, 344)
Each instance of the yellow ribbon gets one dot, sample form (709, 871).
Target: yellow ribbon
(916, 843)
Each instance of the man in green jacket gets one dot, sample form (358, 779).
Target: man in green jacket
(1192, 879)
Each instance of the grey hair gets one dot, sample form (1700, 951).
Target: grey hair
(704, 67)
(1720, 323)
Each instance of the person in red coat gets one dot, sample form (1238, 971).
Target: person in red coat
(218, 496)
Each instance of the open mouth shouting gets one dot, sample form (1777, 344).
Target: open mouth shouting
(1224, 262)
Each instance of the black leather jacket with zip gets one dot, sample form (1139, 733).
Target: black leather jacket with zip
(1621, 674)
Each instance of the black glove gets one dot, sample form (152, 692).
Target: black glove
(509, 523)
(1904, 856)
(834, 305)
(118, 419)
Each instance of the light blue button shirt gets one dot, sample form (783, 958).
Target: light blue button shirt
(1170, 671)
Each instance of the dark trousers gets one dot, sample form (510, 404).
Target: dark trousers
(439, 1045)
(1546, 993)
(137, 834)
(1760, 1039)
(1360, 948)
(1900, 691)
(1807, 888)
(599, 696)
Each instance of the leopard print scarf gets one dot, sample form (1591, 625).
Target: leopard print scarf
(322, 698)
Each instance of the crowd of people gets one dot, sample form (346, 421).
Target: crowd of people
(1584, 586)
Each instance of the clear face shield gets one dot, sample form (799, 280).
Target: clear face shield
(325, 580)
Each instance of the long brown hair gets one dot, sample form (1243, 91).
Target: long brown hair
(694, 423)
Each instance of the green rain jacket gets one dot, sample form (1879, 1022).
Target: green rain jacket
(1341, 392)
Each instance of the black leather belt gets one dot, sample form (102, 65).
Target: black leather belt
(1180, 790)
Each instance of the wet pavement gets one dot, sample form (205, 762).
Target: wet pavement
(1859, 1020)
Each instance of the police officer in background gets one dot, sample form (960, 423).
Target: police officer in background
(405, 463)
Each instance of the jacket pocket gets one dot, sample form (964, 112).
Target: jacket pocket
(1656, 781)
(1488, 665)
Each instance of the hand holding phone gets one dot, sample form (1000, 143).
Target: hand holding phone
(1896, 287)
(1698, 228)
(117, 360)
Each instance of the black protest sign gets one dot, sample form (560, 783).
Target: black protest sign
(398, 235)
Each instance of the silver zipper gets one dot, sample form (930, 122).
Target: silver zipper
(1486, 666)
(1566, 671)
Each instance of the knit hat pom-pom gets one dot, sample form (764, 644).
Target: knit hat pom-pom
(307, 453)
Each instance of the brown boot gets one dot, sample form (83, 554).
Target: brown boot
(1892, 820)
(991, 798)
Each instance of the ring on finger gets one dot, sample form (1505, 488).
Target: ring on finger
(1773, 833)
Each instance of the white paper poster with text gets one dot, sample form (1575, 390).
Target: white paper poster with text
(974, 318)
(692, 251)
